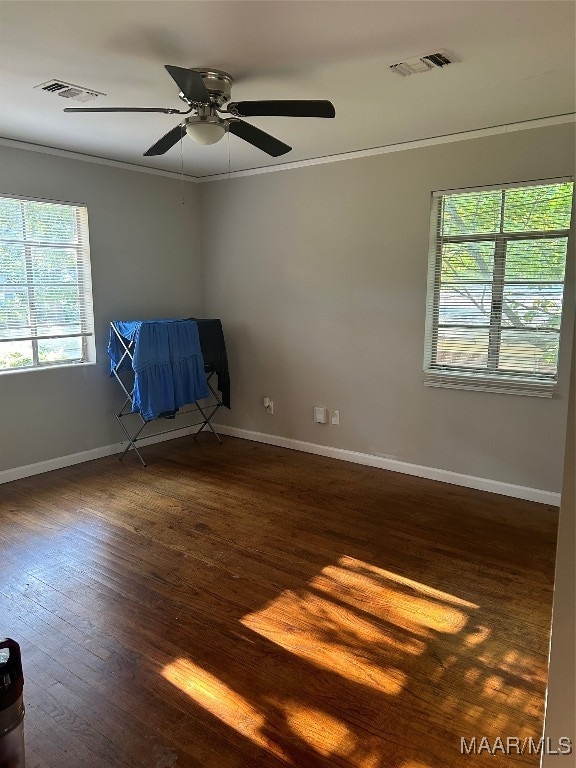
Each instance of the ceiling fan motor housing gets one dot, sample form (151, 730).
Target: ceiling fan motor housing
(218, 84)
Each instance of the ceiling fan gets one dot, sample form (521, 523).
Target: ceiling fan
(206, 92)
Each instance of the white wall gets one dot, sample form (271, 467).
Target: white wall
(561, 704)
(145, 264)
(319, 275)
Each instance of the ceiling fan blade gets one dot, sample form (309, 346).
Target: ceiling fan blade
(190, 83)
(167, 141)
(279, 108)
(258, 138)
(165, 110)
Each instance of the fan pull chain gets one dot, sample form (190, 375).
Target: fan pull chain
(228, 184)
(182, 168)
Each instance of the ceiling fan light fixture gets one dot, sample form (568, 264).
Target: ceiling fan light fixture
(205, 131)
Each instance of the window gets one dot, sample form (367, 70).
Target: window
(45, 288)
(496, 285)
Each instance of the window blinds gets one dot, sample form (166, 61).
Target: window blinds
(497, 283)
(45, 286)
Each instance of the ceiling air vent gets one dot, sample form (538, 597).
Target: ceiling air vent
(423, 63)
(69, 91)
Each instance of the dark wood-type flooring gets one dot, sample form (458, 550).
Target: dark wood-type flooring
(242, 605)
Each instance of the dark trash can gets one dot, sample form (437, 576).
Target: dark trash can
(11, 705)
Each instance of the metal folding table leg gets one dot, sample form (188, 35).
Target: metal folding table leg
(129, 353)
(214, 410)
(131, 439)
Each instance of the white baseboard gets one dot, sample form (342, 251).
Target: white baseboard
(430, 473)
(17, 473)
(368, 459)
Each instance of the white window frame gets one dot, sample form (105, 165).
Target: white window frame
(450, 376)
(84, 285)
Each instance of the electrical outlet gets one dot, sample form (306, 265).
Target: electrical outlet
(269, 405)
(335, 418)
(320, 415)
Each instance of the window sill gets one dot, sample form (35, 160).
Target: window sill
(34, 368)
(479, 383)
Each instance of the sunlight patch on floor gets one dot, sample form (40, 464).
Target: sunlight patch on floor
(360, 622)
(331, 637)
(405, 603)
(323, 732)
(331, 738)
(221, 701)
(360, 566)
(380, 631)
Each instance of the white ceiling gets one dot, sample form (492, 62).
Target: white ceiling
(517, 63)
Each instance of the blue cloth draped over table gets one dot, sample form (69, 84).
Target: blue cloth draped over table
(168, 364)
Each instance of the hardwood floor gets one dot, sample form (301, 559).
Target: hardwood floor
(242, 605)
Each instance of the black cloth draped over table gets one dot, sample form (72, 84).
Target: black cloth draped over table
(214, 353)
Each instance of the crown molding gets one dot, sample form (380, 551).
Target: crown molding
(541, 122)
(494, 130)
(71, 155)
